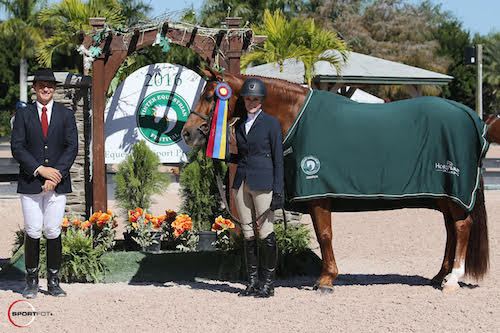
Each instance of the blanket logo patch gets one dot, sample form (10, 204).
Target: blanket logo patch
(447, 167)
(310, 166)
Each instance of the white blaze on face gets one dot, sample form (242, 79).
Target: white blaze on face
(162, 111)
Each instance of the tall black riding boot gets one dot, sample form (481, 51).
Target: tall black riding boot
(269, 258)
(252, 268)
(31, 261)
(54, 259)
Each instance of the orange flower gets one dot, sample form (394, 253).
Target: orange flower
(133, 215)
(86, 225)
(103, 218)
(148, 216)
(182, 223)
(65, 222)
(110, 212)
(77, 222)
(95, 217)
(222, 224)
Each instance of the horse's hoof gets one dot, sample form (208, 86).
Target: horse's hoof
(324, 290)
(450, 288)
(437, 282)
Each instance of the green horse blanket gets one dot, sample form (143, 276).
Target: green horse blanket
(426, 147)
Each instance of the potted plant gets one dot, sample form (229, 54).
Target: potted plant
(104, 229)
(144, 230)
(225, 237)
(178, 232)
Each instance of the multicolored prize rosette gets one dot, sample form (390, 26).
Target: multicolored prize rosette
(218, 139)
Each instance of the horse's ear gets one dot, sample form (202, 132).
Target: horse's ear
(210, 74)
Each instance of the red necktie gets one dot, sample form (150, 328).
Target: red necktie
(45, 123)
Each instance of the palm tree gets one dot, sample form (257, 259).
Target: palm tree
(492, 60)
(22, 24)
(321, 45)
(283, 40)
(67, 18)
(305, 41)
(134, 11)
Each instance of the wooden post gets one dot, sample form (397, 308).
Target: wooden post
(100, 193)
(235, 45)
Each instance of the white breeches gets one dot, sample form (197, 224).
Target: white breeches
(250, 205)
(45, 209)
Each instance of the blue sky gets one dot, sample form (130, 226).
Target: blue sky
(478, 16)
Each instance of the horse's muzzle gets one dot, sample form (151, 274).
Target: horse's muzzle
(193, 137)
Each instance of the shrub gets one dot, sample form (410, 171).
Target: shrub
(200, 196)
(5, 129)
(138, 178)
(292, 240)
(81, 262)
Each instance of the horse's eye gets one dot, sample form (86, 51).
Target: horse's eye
(209, 98)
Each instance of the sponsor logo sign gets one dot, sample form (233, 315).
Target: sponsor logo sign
(152, 104)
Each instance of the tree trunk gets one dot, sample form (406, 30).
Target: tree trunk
(23, 80)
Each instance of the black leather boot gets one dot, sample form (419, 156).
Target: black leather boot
(54, 259)
(269, 258)
(252, 268)
(31, 260)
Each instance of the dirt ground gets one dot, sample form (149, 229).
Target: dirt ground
(386, 261)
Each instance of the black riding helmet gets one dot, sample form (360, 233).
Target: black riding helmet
(254, 87)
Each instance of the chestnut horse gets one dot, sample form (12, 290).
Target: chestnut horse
(466, 250)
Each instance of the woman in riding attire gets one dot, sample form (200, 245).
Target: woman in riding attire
(259, 184)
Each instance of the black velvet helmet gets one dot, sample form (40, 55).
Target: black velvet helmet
(254, 87)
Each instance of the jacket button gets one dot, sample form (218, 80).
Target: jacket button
(46, 147)
(46, 161)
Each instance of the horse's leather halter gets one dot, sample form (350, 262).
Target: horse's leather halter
(208, 119)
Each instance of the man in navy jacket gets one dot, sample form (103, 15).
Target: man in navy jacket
(44, 142)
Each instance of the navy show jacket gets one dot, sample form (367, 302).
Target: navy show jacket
(31, 150)
(260, 154)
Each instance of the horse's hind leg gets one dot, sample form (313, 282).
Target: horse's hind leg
(462, 223)
(321, 217)
(451, 241)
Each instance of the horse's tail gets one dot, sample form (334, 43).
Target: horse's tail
(477, 259)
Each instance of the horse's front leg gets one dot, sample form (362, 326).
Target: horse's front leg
(320, 211)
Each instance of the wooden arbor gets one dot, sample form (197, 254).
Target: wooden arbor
(226, 45)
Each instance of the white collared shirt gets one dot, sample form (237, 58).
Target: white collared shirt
(250, 120)
(39, 107)
(49, 106)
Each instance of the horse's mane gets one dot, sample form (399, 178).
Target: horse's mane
(286, 91)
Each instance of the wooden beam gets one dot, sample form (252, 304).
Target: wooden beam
(100, 194)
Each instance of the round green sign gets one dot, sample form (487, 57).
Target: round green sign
(161, 117)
